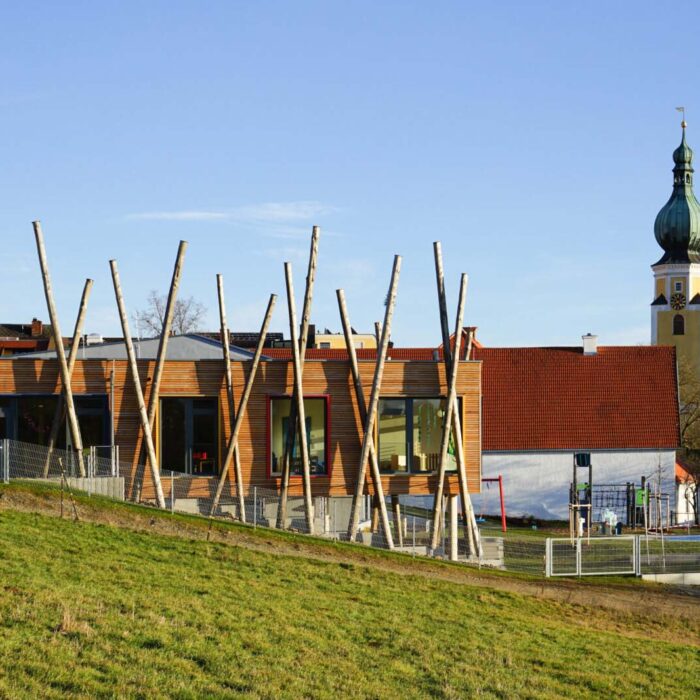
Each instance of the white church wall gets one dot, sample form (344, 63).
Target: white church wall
(538, 483)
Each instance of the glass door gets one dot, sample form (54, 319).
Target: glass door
(189, 435)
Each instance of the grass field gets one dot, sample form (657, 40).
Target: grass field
(91, 610)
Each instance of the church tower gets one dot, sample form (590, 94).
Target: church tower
(675, 311)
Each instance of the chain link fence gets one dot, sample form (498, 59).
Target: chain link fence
(99, 471)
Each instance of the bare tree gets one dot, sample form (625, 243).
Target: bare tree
(187, 317)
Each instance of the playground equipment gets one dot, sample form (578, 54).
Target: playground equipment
(580, 497)
(614, 505)
(488, 481)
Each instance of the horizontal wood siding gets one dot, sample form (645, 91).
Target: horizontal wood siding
(206, 378)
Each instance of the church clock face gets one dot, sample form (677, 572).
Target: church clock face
(677, 301)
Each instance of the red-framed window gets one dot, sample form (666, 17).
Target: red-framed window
(318, 419)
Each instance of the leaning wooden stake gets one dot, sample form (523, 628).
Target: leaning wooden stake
(374, 401)
(165, 334)
(469, 519)
(226, 345)
(163, 349)
(143, 414)
(72, 356)
(60, 350)
(299, 400)
(293, 417)
(362, 407)
(240, 413)
(451, 404)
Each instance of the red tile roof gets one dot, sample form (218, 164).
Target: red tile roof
(561, 399)
(537, 399)
(362, 354)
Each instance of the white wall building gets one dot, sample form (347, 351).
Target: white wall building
(542, 405)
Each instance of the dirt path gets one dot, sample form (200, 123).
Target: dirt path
(653, 602)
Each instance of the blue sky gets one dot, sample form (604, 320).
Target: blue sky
(533, 139)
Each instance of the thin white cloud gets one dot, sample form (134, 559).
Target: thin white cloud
(266, 213)
(179, 216)
(280, 212)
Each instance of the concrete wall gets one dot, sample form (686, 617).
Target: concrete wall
(538, 483)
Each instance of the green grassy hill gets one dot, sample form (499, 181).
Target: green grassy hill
(95, 610)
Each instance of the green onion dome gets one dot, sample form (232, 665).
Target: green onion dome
(677, 225)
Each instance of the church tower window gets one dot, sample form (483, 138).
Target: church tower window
(678, 325)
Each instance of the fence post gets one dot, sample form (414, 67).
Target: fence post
(578, 556)
(6, 460)
(172, 492)
(414, 536)
(548, 557)
(90, 470)
(255, 507)
(637, 555)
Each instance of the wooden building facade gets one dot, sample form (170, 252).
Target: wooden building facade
(194, 420)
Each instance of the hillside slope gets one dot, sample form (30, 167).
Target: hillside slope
(94, 610)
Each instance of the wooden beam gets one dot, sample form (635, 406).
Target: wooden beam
(442, 302)
(374, 401)
(240, 413)
(468, 517)
(293, 417)
(398, 525)
(143, 414)
(471, 528)
(299, 399)
(72, 356)
(362, 407)
(60, 350)
(226, 345)
(447, 424)
(165, 334)
(162, 353)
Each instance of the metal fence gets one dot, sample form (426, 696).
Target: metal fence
(592, 557)
(99, 471)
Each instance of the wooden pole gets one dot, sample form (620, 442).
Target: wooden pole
(165, 334)
(72, 356)
(240, 413)
(442, 301)
(143, 414)
(293, 417)
(398, 525)
(362, 408)
(226, 344)
(378, 332)
(454, 529)
(163, 347)
(60, 350)
(299, 397)
(447, 425)
(469, 519)
(308, 294)
(374, 401)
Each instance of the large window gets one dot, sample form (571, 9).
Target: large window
(6, 417)
(29, 419)
(410, 434)
(316, 411)
(189, 435)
